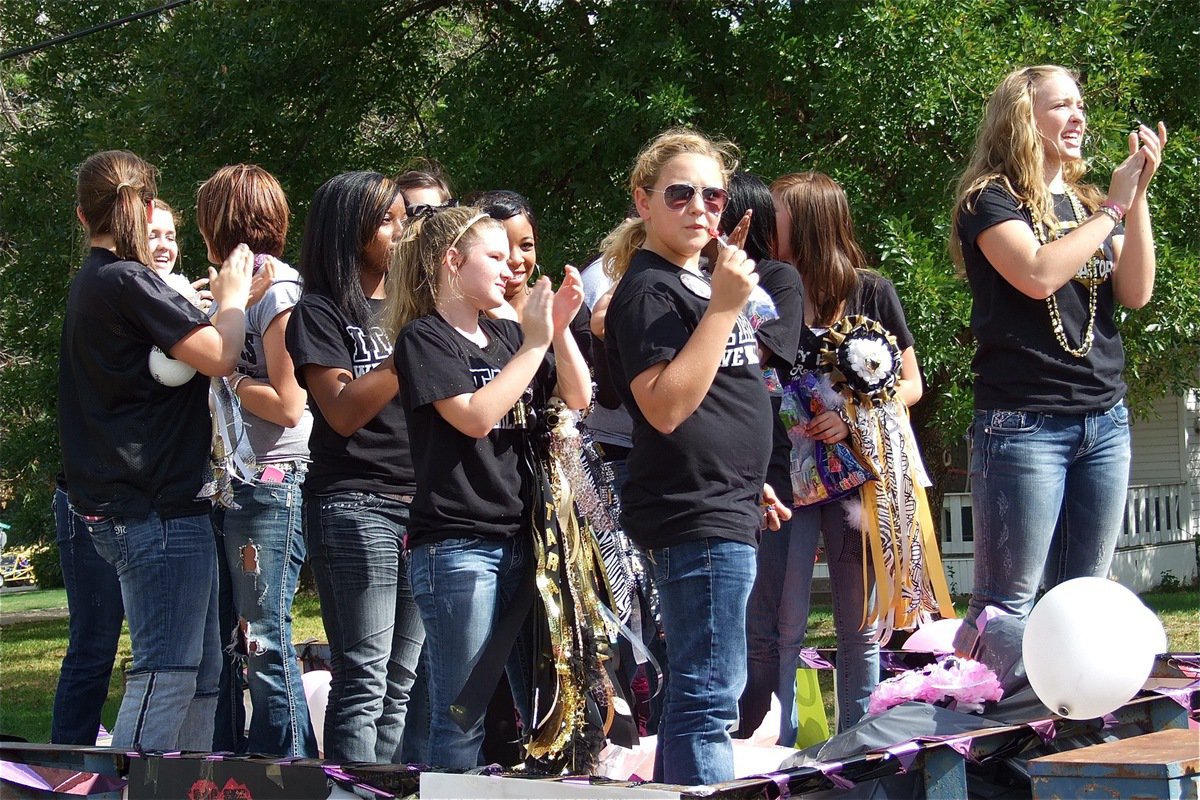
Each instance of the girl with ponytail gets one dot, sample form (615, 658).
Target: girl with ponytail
(686, 363)
(468, 384)
(135, 450)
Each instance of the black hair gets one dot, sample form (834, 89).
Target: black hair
(504, 204)
(346, 212)
(747, 191)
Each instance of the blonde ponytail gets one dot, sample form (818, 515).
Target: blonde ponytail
(620, 244)
(413, 278)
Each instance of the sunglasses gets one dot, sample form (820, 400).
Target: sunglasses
(423, 210)
(678, 195)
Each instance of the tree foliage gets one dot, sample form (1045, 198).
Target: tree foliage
(554, 99)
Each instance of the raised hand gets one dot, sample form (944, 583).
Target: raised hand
(262, 281)
(733, 276)
(231, 286)
(568, 299)
(1123, 187)
(1152, 144)
(537, 318)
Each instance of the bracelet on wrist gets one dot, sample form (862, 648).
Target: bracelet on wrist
(235, 380)
(1112, 210)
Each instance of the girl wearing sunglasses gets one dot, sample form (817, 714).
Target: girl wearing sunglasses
(686, 363)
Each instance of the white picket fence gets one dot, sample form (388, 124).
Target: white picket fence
(1155, 539)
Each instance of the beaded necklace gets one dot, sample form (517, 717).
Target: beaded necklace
(1090, 275)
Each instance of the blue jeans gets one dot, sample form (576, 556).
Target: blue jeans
(776, 624)
(356, 549)
(1048, 494)
(94, 597)
(857, 670)
(168, 572)
(260, 550)
(703, 586)
(463, 587)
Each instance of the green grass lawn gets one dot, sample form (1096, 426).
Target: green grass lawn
(16, 602)
(30, 653)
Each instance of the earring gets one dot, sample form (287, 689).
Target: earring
(533, 277)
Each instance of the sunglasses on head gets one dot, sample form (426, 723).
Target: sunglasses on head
(678, 195)
(424, 210)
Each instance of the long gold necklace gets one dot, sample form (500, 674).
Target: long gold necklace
(1093, 281)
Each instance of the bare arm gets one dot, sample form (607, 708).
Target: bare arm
(213, 350)
(671, 391)
(574, 379)
(909, 386)
(475, 413)
(346, 402)
(1039, 270)
(278, 399)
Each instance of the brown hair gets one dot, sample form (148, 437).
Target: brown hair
(1008, 149)
(242, 203)
(425, 173)
(824, 248)
(413, 279)
(163, 205)
(620, 244)
(112, 190)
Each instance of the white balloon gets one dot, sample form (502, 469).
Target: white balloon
(316, 692)
(1089, 646)
(167, 370)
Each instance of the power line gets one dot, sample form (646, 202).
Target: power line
(33, 48)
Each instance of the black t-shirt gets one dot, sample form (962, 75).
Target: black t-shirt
(129, 444)
(782, 337)
(704, 479)
(466, 487)
(1019, 364)
(376, 457)
(874, 297)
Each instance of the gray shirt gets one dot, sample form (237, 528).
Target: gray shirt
(271, 442)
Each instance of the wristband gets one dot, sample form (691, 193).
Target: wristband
(1112, 210)
(235, 381)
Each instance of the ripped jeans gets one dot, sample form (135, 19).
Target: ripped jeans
(1048, 493)
(260, 549)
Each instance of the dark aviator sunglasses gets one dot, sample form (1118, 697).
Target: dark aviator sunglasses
(423, 210)
(678, 195)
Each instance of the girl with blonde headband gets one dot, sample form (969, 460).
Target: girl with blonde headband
(469, 386)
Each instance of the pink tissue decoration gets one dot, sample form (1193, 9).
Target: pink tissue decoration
(966, 682)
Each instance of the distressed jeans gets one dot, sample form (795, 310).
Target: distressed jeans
(1048, 494)
(168, 573)
(703, 586)
(260, 550)
(356, 550)
(463, 587)
(94, 597)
